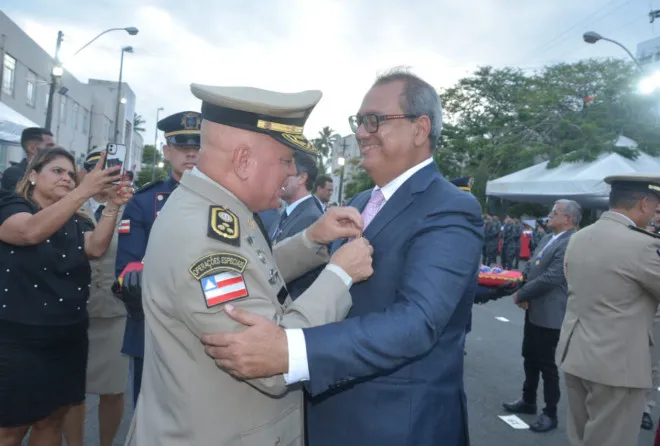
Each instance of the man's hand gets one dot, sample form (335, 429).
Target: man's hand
(259, 351)
(354, 257)
(336, 223)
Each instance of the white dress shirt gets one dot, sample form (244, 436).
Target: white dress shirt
(298, 366)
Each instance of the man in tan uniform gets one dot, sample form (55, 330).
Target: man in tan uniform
(613, 271)
(248, 138)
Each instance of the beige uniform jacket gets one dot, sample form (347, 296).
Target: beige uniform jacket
(613, 275)
(198, 255)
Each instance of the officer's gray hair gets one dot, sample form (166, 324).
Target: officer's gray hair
(572, 209)
(418, 98)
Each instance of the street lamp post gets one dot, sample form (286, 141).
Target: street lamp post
(57, 70)
(341, 160)
(593, 37)
(126, 49)
(153, 169)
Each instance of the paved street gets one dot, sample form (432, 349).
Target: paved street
(493, 373)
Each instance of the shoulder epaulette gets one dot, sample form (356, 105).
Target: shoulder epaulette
(644, 231)
(148, 186)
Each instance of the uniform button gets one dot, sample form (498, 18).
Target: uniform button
(63, 255)
(61, 300)
(48, 241)
(11, 252)
(45, 269)
(79, 288)
(6, 290)
(67, 274)
(79, 308)
(7, 269)
(98, 285)
(36, 286)
(66, 233)
(4, 306)
(45, 304)
(277, 441)
(79, 247)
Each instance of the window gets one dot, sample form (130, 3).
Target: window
(8, 75)
(85, 121)
(31, 89)
(62, 118)
(74, 116)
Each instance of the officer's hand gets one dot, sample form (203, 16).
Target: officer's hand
(355, 257)
(336, 223)
(258, 351)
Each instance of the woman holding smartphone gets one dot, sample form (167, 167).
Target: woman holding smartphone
(45, 247)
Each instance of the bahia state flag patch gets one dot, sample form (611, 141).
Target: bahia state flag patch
(124, 227)
(223, 287)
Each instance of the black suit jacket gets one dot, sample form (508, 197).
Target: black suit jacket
(12, 175)
(303, 216)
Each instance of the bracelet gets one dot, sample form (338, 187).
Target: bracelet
(110, 213)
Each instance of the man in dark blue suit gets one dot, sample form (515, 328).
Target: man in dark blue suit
(391, 374)
(181, 131)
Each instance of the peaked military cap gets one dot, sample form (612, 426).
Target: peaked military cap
(464, 183)
(181, 128)
(635, 183)
(279, 115)
(92, 158)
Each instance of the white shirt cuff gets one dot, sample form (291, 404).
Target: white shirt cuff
(343, 275)
(298, 367)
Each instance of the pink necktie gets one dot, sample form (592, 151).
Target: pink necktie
(372, 208)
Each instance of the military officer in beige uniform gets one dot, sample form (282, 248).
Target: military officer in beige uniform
(613, 273)
(248, 138)
(107, 367)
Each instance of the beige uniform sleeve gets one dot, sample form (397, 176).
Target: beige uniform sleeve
(297, 255)
(202, 311)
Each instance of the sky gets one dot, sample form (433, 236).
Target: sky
(336, 46)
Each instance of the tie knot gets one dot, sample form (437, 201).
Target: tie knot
(377, 197)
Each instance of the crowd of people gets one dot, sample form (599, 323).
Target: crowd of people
(250, 311)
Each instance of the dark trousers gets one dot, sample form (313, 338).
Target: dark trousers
(538, 350)
(136, 364)
(491, 253)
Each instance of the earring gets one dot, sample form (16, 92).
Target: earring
(33, 182)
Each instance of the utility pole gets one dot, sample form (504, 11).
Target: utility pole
(53, 81)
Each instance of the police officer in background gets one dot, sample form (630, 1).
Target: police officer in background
(181, 132)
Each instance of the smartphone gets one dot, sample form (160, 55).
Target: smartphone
(115, 156)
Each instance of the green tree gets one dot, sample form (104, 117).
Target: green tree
(501, 120)
(148, 163)
(324, 144)
(138, 123)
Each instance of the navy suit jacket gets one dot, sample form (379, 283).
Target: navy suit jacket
(391, 374)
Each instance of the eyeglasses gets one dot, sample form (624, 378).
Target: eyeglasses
(372, 121)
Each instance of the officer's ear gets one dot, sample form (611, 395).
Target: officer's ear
(243, 160)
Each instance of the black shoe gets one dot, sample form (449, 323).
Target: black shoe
(647, 422)
(520, 407)
(544, 424)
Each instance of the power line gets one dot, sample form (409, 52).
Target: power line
(565, 34)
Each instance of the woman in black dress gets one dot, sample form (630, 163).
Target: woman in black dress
(45, 247)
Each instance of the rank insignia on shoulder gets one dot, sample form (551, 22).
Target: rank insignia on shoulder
(224, 225)
(644, 231)
(221, 277)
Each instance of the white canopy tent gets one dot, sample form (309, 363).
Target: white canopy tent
(12, 124)
(582, 182)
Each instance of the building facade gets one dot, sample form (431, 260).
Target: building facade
(648, 54)
(83, 113)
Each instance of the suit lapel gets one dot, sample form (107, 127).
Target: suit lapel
(402, 199)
